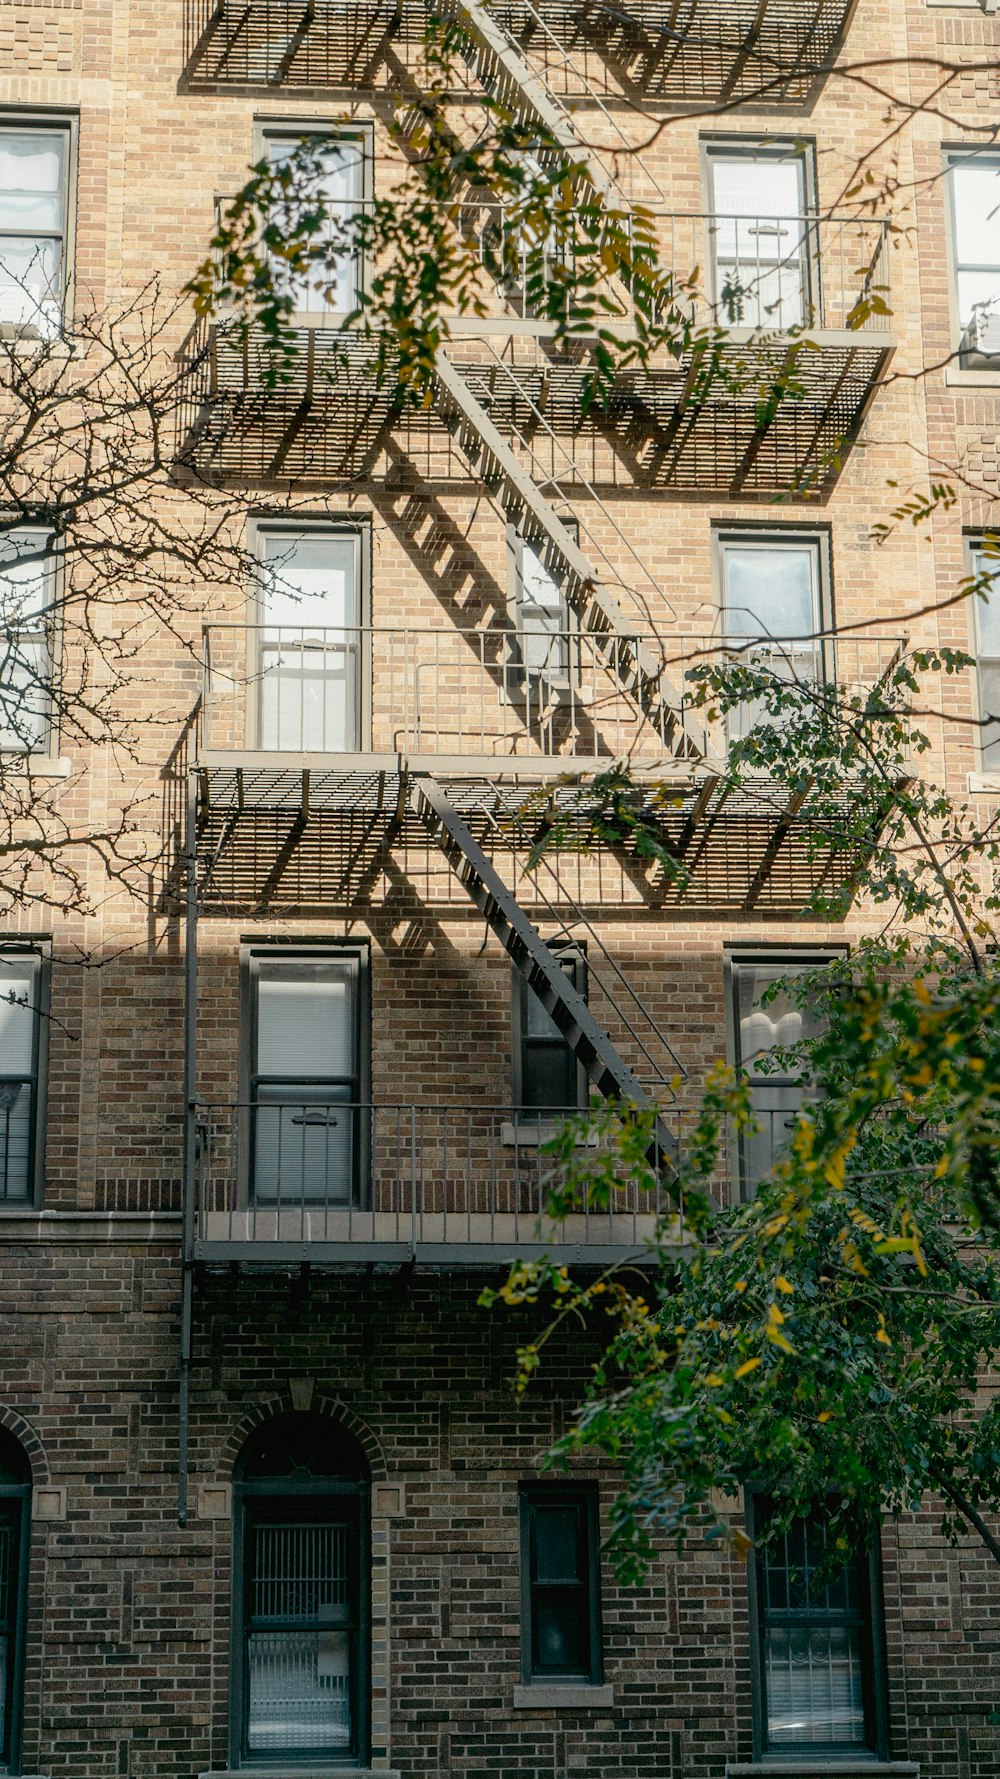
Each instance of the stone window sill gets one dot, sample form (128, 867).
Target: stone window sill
(976, 377)
(984, 784)
(21, 765)
(301, 1772)
(820, 1766)
(563, 1698)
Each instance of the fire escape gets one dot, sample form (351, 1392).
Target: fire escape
(465, 755)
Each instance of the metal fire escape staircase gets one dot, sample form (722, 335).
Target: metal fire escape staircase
(539, 966)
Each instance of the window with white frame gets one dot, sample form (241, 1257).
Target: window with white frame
(34, 208)
(761, 234)
(762, 1022)
(986, 618)
(774, 591)
(27, 577)
(974, 181)
(541, 613)
(311, 640)
(334, 287)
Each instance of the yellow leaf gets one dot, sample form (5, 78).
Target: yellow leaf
(747, 1366)
(825, 1415)
(783, 1285)
(740, 1285)
(714, 1379)
(883, 1337)
(774, 1315)
(779, 1340)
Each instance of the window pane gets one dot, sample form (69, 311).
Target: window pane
(557, 1541)
(310, 644)
(299, 1692)
(304, 1146)
(300, 1571)
(814, 1685)
(759, 241)
(543, 617)
(987, 610)
(306, 1019)
(770, 592)
(342, 188)
(17, 1017)
(561, 1633)
(548, 1077)
(976, 191)
(32, 171)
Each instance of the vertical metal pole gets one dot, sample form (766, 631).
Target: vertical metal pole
(190, 1137)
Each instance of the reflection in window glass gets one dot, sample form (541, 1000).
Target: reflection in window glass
(760, 238)
(815, 1643)
(975, 189)
(987, 621)
(771, 591)
(776, 1094)
(336, 285)
(33, 169)
(26, 593)
(310, 642)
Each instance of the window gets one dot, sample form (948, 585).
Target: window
(560, 1594)
(760, 200)
(27, 570)
(541, 615)
(776, 1095)
(975, 215)
(334, 288)
(818, 1651)
(313, 650)
(15, 1510)
(301, 1658)
(987, 623)
(308, 1013)
(21, 989)
(547, 1076)
(34, 188)
(774, 585)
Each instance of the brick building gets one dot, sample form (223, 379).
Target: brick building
(258, 1165)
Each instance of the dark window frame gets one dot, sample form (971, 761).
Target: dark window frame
(803, 957)
(22, 119)
(40, 957)
(15, 1502)
(329, 951)
(583, 1496)
(360, 530)
(875, 1683)
(574, 955)
(252, 1500)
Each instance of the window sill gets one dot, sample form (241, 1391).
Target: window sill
(815, 1766)
(35, 765)
(304, 1770)
(984, 784)
(957, 378)
(542, 1130)
(563, 1698)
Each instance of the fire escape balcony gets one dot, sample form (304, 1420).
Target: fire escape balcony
(671, 52)
(766, 393)
(311, 747)
(332, 1183)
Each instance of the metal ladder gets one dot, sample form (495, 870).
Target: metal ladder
(492, 459)
(539, 966)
